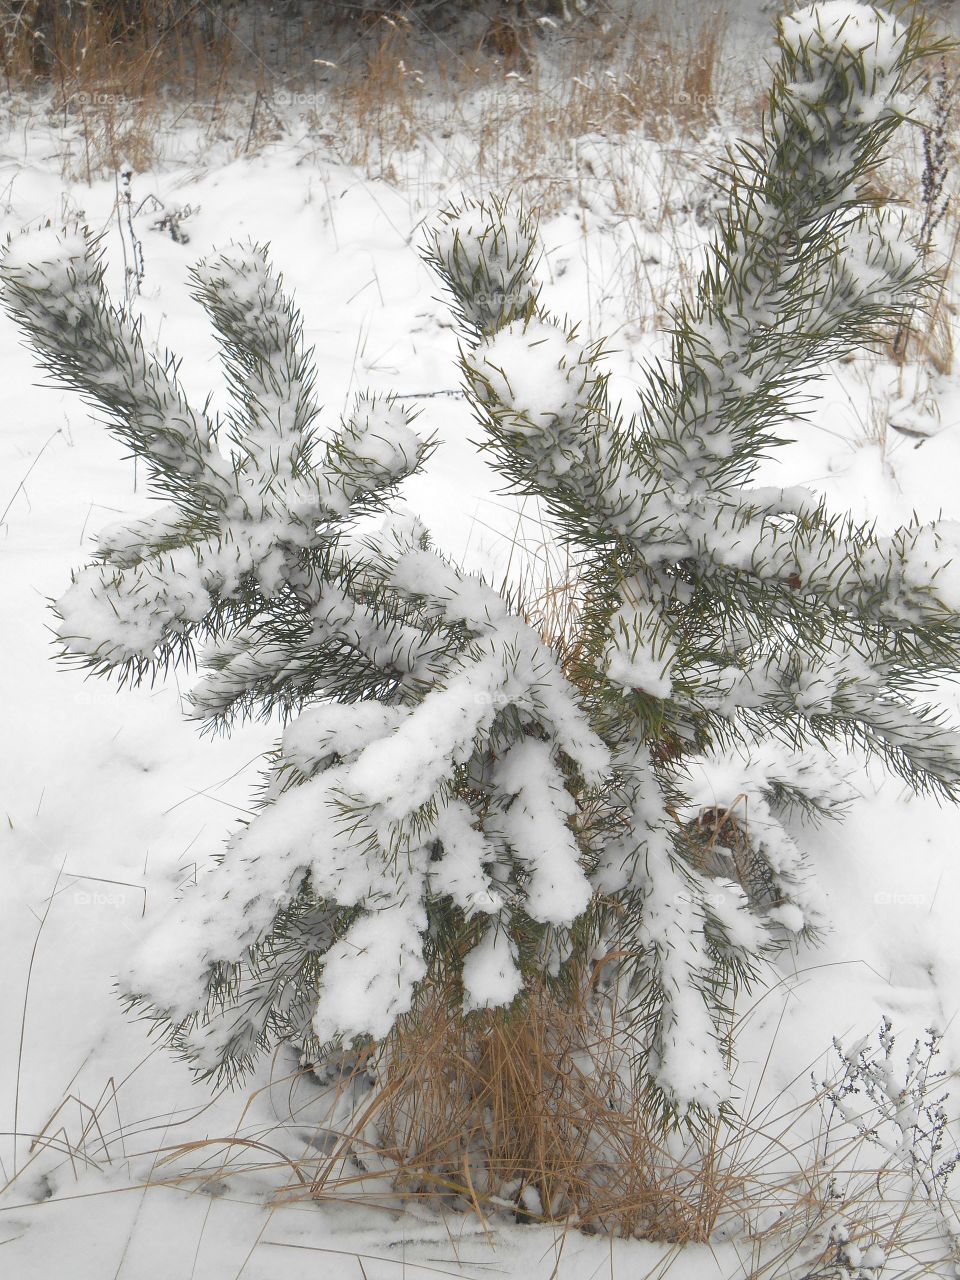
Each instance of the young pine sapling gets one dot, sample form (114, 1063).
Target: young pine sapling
(451, 794)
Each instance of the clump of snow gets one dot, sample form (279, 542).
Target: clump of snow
(485, 254)
(100, 616)
(743, 784)
(539, 372)
(371, 973)
(467, 850)
(341, 729)
(932, 554)
(376, 445)
(847, 27)
(538, 382)
(41, 256)
(491, 977)
(536, 826)
(470, 241)
(126, 542)
(403, 771)
(858, 43)
(639, 655)
(686, 1061)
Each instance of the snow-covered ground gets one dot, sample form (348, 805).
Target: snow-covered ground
(111, 802)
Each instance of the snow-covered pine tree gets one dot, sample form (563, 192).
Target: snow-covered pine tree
(451, 795)
(728, 634)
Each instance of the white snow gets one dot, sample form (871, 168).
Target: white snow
(847, 27)
(536, 826)
(112, 805)
(28, 252)
(636, 656)
(536, 370)
(371, 973)
(490, 974)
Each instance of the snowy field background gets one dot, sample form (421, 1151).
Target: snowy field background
(110, 802)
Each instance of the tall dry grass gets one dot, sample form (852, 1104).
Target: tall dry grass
(371, 91)
(533, 1117)
(535, 1111)
(510, 122)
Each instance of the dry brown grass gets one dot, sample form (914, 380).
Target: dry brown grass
(529, 1117)
(535, 1110)
(477, 114)
(499, 120)
(928, 335)
(535, 1115)
(91, 48)
(114, 86)
(375, 106)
